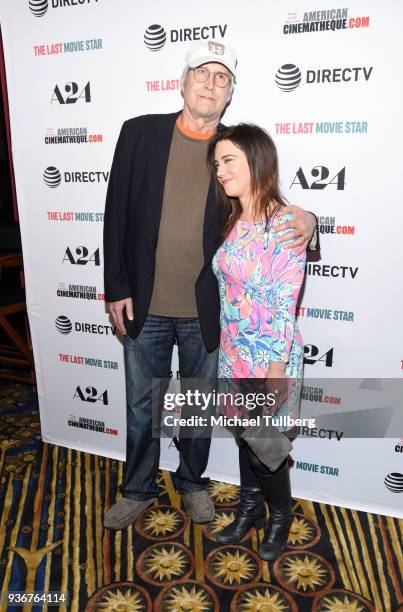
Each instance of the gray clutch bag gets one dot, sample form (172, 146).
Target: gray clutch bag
(269, 444)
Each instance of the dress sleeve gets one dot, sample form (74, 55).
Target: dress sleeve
(287, 275)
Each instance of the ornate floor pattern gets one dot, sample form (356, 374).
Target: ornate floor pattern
(52, 503)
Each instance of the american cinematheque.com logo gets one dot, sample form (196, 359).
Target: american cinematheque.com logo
(92, 425)
(328, 225)
(322, 21)
(76, 135)
(39, 8)
(79, 292)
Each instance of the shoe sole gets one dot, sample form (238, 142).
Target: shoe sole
(257, 526)
(200, 522)
(271, 556)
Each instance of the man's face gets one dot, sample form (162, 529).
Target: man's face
(206, 100)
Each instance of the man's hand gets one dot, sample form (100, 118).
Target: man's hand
(116, 310)
(302, 225)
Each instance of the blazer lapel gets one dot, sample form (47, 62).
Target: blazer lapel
(212, 203)
(211, 206)
(159, 146)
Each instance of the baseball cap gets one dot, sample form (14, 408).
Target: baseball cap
(203, 51)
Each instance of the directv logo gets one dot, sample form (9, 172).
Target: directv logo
(63, 325)
(38, 7)
(155, 37)
(52, 177)
(394, 482)
(288, 77)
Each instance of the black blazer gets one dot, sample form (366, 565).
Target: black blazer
(132, 219)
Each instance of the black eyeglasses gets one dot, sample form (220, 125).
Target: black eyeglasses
(202, 75)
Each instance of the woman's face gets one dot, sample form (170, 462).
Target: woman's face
(232, 170)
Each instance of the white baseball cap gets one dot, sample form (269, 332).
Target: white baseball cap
(202, 52)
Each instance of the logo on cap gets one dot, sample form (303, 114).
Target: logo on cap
(216, 48)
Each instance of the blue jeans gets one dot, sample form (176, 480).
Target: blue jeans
(148, 357)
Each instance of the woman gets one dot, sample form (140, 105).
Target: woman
(259, 282)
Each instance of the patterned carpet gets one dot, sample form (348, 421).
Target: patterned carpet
(52, 502)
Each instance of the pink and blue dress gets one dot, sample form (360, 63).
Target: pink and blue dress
(259, 282)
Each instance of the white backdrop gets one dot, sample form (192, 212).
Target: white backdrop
(78, 69)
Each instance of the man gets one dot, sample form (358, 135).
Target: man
(162, 227)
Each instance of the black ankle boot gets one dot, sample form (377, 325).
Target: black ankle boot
(277, 491)
(250, 513)
(276, 534)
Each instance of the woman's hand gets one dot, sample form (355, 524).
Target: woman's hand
(276, 383)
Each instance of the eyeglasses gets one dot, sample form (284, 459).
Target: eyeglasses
(202, 75)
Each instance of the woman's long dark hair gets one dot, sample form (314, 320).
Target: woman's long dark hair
(261, 154)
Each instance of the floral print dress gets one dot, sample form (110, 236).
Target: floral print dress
(259, 282)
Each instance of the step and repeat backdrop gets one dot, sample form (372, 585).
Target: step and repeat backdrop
(325, 83)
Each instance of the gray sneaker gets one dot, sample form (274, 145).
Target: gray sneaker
(124, 512)
(198, 506)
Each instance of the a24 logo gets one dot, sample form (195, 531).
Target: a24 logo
(312, 355)
(90, 394)
(71, 93)
(321, 174)
(83, 256)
